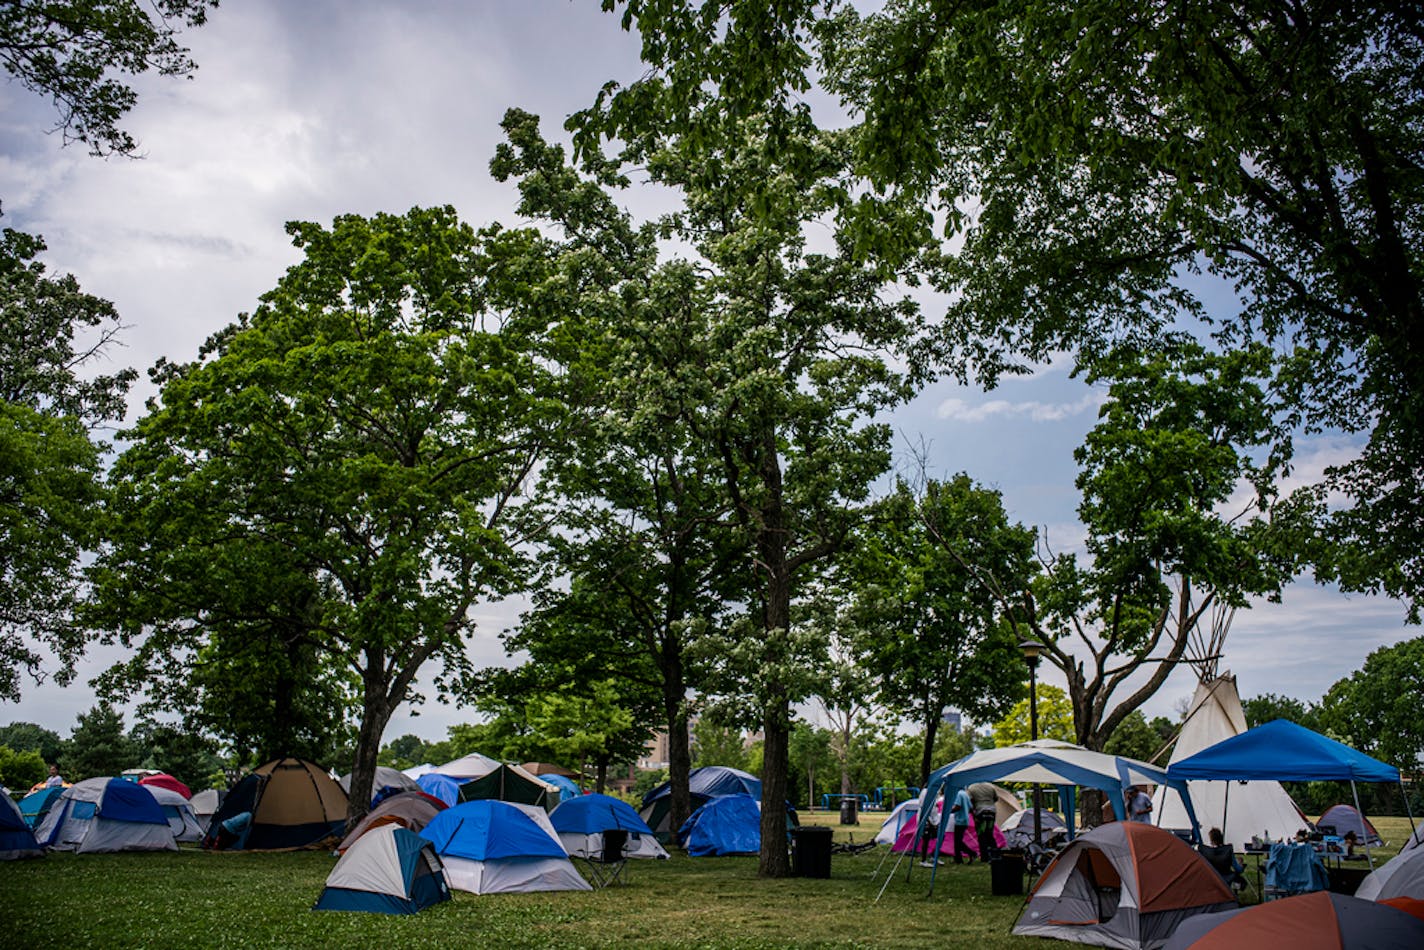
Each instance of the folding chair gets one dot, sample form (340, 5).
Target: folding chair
(607, 866)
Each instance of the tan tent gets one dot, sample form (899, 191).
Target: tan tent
(287, 804)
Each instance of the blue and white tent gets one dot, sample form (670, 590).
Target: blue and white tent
(439, 785)
(106, 814)
(582, 821)
(37, 804)
(16, 838)
(729, 824)
(388, 870)
(491, 847)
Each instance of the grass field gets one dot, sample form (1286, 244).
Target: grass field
(198, 899)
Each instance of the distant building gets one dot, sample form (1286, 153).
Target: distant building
(655, 753)
(954, 720)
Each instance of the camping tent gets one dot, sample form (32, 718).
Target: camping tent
(37, 804)
(468, 766)
(510, 783)
(440, 786)
(205, 803)
(1402, 876)
(1018, 830)
(1286, 752)
(106, 814)
(1123, 884)
(1259, 809)
(164, 780)
(412, 810)
(386, 778)
(727, 824)
(906, 841)
(16, 838)
(416, 771)
(565, 785)
(704, 783)
(904, 814)
(543, 769)
(1344, 818)
(179, 812)
(1317, 920)
(392, 870)
(292, 804)
(582, 821)
(491, 847)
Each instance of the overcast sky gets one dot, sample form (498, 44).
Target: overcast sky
(304, 111)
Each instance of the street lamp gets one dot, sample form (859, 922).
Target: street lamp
(1032, 650)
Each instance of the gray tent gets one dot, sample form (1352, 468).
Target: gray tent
(1126, 884)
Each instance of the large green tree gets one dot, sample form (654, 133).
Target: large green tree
(1375, 708)
(1090, 159)
(73, 51)
(934, 636)
(51, 404)
(341, 468)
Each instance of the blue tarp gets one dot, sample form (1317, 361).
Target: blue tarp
(593, 814)
(565, 785)
(485, 829)
(730, 824)
(1285, 752)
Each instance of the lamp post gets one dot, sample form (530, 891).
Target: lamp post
(1032, 650)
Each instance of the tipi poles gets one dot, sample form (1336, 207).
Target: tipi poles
(890, 876)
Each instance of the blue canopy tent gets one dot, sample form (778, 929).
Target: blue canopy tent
(1049, 762)
(1282, 751)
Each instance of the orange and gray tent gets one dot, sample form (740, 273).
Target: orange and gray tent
(1125, 884)
(1316, 920)
(288, 804)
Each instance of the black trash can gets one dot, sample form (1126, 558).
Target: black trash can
(1006, 874)
(811, 851)
(848, 811)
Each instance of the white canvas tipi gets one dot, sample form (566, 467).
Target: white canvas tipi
(1240, 810)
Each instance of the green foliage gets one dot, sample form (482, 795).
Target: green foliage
(21, 769)
(405, 752)
(587, 723)
(1055, 718)
(99, 745)
(71, 50)
(50, 484)
(1262, 709)
(333, 484)
(714, 743)
(1137, 739)
(189, 757)
(1376, 709)
(29, 737)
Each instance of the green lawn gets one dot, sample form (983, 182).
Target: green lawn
(196, 899)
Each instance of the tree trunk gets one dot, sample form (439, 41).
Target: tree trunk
(600, 781)
(679, 745)
(375, 713)
(774, 859)
(927, 757)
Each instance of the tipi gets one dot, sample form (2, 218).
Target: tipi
(1240, 810)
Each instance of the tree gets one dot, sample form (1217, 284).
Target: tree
(935, 639)
(51, 332)
(69, 51)
(717, 743)
(1055, 719)
(1135, 738)
(340, 469)
(809, 756)
(99, 745)
(1374, 709)
(1262, 709)
(30, 737)
(185, 755)
(1087, 161)
(19, 770)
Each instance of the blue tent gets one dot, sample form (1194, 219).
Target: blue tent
(729, 824)
(36, 805)
(704, 784)
(388, 870)
(440, 786)
(1285, 752)
(590, 814)
(16, 838)
(486, 829)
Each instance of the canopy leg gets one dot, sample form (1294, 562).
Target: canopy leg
(1363, 828)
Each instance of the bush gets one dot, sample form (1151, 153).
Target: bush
(20, 770)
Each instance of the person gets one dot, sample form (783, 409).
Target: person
(55, 779)
(929, 830)
(960, 812)
(230, 831)
(1139, 804)
(1350, 842)
(1222, 857)
(984, 797)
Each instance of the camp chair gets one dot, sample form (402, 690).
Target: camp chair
(606, 867)
(1223, 859)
